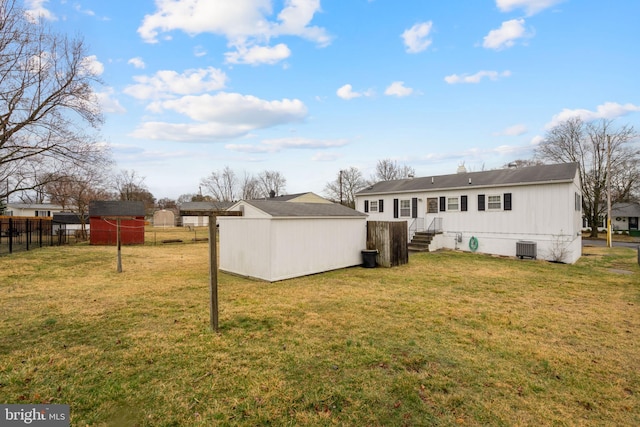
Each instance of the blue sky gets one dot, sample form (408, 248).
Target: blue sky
(309, 87)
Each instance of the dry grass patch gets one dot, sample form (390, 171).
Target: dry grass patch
(451, 338)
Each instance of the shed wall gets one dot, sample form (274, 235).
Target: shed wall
(283, 248)
(105, 232)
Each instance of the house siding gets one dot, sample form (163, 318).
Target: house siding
(542, 212)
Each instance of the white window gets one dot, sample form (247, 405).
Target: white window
(373, 206)
(494, 202)
(405, 208)
(452, 204)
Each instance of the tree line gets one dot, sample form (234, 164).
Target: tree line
(50, 147)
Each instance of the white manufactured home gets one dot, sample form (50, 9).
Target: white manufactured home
(527, 212)
(276, 240)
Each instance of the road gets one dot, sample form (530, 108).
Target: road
(600, 242)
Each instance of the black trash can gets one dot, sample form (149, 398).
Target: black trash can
(369, 258)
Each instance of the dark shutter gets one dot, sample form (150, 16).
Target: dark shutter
(463, 203)
(366, 206)
(414, 207)
(480, 202)
(395, 208)
(443, 204)
(380, 205)
(507, 201)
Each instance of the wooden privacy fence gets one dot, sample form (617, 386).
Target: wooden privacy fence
(24, 233)
(390, 238)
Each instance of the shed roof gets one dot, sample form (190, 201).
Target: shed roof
(564, 172)
(69, 218)
(116, 208)
(279, 209)
(37, 206)
(625, 209)
(204, 206)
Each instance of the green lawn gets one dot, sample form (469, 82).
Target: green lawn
(449, 339)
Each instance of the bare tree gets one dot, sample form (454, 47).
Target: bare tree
(344, 188)
(598, 148)
(130, 186)
(271, 182)
(79, 186)
(522, 163)
(46, 101)
(221, 185)
(249, 187)
(388, 170)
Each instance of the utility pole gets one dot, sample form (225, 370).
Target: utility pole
(340, 179)
(609, 242)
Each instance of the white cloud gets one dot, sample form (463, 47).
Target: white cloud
(244, 23)
(256, 55)
(199, 51)
(346, 92)
(89, 12)
(398, 89)
(295, 19)
(91, 65)
(531, 7)
(608, 110)
(477, 77)
(323, 156)
(36, 10)
(416, 39)
(221, 116)
(137, 62)
(167, 83)
(279, 144)
(515, 130)
(506, 35)
(108, 103)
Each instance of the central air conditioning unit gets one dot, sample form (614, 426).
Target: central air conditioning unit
(526, 249)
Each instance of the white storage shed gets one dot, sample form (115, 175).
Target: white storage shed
(277, 240)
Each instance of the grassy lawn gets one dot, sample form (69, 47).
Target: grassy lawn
(449, 339)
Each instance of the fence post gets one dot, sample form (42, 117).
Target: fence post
(10, 235)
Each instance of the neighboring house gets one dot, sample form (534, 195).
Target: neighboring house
(32, 209)
(188, 209)
(504, 212)
(68, 223)
(105, 215)
(624, 217)
(276, 240)
(301, 198)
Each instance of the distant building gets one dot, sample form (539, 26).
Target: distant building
(104, 216)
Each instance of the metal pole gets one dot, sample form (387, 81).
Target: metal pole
(213, 273)
(609, 237)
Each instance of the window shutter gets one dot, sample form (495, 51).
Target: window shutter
(480, 202)
(507, 201)
(366, 206)
(414, 207)
(463, 203)
(380, 205)
(443, 204)
(395, 208)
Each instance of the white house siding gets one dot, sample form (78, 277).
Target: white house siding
(275, 249)
(195, 221)
(544, 213)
